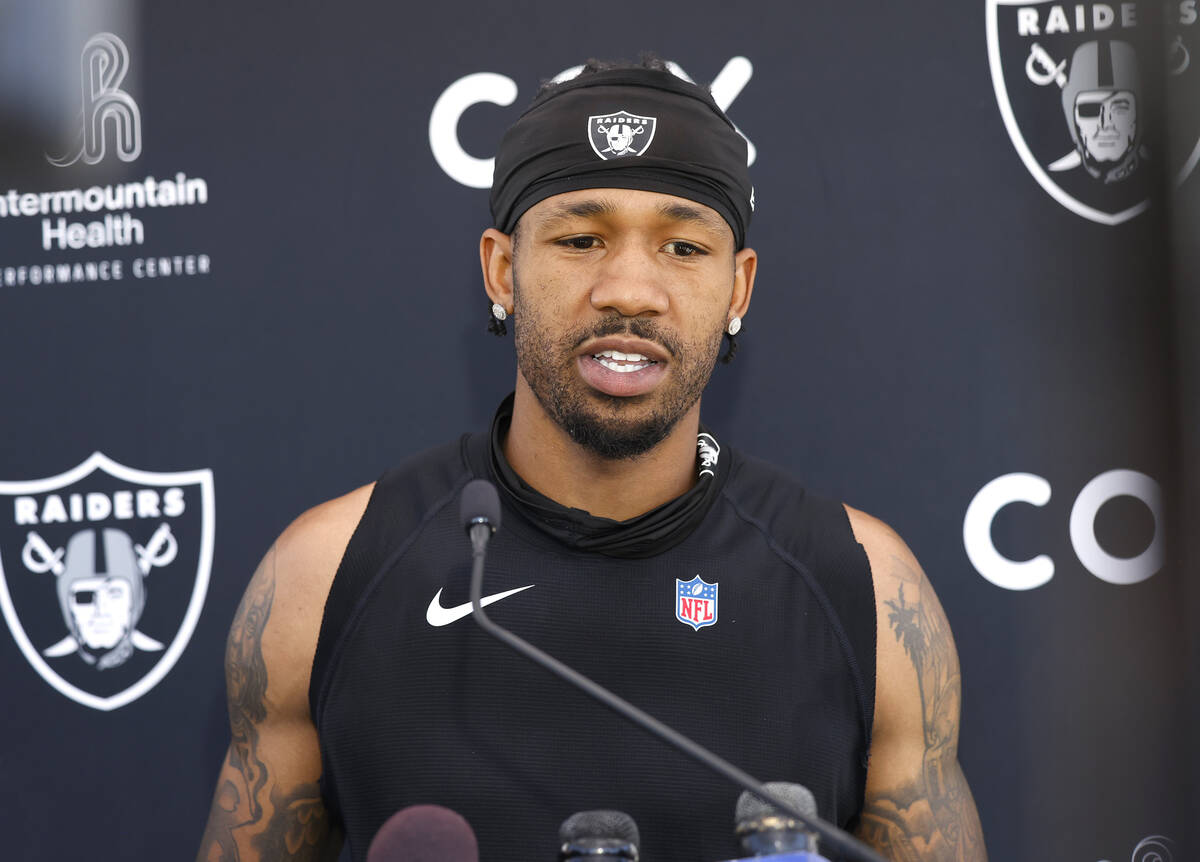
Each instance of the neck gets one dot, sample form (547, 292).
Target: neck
(552, 463)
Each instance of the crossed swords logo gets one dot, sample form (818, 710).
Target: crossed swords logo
(39, 558)
(1039, 58)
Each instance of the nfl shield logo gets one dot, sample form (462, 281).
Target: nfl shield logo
(620, 133)
(696, 602)
(103, 574)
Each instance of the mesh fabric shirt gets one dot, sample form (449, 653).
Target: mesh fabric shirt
(777, 675)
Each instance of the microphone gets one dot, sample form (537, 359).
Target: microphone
(598, 835)
(479, 511)
(764, 830)
(424, 833)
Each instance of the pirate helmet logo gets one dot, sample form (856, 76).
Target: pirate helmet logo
(620, 133)
(102, 592)
(1100, 101)
(1072, 87)
(103, 574)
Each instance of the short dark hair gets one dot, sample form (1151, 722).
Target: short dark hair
(645, 60)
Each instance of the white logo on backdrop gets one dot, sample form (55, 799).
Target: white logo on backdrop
(113, 216)
(103, 66)
(1076, 88)
(1028, 488)
(119, 558)
(491, 88)
(1153, 848)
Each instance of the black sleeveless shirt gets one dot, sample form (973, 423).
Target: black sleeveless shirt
(753, 633)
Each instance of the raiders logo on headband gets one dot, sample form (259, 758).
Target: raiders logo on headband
(620, 133)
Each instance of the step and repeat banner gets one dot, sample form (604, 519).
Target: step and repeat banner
(239, 276)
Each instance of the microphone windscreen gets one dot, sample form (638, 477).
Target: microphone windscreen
(479, 502)
(751, 808)
(424, 833)
(601, 824)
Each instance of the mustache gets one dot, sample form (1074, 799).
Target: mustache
(638, 327)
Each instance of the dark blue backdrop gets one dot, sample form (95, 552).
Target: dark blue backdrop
(928, 318)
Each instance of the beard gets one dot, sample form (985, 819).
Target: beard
(613, 427)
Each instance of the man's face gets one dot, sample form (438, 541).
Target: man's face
(1107, 123)
(621, 298)
(102, 609)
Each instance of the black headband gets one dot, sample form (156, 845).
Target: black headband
(627, 129)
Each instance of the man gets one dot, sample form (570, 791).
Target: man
(702, 585)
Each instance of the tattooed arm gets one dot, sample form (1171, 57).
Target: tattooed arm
(267, 805)
(918, 806)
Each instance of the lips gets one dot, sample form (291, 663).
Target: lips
(622, 367)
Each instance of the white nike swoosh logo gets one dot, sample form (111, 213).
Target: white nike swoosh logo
(436, 615)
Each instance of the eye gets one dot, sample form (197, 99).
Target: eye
(578, 243)
(679, 248)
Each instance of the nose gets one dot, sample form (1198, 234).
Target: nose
(630, 284)
(1105, 115)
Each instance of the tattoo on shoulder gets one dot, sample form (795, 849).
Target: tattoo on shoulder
(933, 818)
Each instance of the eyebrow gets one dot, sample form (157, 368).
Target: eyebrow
(580, 209)
(686, 213)
(594, 207)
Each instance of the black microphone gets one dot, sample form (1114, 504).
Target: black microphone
(598, 835)
(479, 510)
(764, 830)
(424, 833)
(480, 513)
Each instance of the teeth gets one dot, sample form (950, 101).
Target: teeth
(613, 366)
(622, 357)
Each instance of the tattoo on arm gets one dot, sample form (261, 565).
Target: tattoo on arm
(934, 817)
(291, 825)
(246, 680)
(298, 828)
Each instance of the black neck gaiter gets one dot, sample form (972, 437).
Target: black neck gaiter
(646, 535)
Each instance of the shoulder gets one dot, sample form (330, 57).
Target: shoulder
(888, 553)
(307, 553)
(897, 574)
(894, 567)
(770, 493)
(279, 618)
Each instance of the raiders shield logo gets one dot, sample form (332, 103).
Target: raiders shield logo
(1078, 87)
(103, 574)
(620, 133)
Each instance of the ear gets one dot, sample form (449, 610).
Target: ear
(495, 258)
(745, 265)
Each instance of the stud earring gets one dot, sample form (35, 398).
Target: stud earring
(496, 319)
(731, 330)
